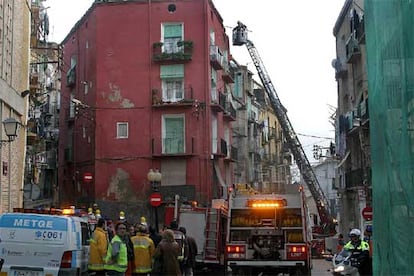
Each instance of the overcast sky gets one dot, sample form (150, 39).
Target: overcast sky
(295, 41)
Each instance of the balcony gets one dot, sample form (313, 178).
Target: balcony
(230, 112)
(354, 179)
(233, 155)
(71, 77)
(352, 49)
(170, 99)
(226, 75)
(172, 52)
(173, 147)
(216, 57)
(220, 105)
(221, 150)
(360, 31)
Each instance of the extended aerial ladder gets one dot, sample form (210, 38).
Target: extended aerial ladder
(322, 204)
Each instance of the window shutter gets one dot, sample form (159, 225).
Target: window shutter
(172, 71)
(173, 31)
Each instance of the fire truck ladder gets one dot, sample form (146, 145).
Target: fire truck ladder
(240, 38)
(211, 234)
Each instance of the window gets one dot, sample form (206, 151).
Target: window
(172, 33)
(172, 77)
(213, 85)
(173, 141)
(122, 130)
(214, 138)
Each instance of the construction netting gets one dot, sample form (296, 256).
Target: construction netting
(389, 29)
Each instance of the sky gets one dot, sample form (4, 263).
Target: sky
(295, 41)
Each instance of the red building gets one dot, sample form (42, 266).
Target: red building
(146, 85)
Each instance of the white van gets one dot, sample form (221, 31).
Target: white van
(43, 245)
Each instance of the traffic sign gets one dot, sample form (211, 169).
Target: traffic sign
(367, 213)
(87, 177)
(155, 199)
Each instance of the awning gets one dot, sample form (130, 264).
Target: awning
(344, 159)
(218, 174)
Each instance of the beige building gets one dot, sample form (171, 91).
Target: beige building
(263, 160)
(14, 66)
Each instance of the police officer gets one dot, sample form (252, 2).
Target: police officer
(360, 251)
(116, 261)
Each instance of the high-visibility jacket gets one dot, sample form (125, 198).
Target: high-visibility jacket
(97, 250)
(362, 246)
(121, 262)
(144, 249)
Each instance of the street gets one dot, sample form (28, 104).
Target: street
(321, 267)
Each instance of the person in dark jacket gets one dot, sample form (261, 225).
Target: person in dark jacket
(166, 256)
(155, 237)
(190, 263)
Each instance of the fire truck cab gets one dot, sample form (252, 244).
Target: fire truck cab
(268, 233)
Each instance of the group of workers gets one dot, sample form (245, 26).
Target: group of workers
(122, 248)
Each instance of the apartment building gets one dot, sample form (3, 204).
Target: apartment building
(352, 122)
(14, 58)
(157, 97)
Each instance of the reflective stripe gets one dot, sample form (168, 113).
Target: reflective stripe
(96, 267)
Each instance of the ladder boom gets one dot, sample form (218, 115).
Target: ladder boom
(322, 204)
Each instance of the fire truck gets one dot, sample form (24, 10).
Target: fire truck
(326, 227)
(208, 226)
(268, 233)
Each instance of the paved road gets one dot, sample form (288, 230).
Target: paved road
(320, 267)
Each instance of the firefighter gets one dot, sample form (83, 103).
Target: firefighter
(98, 214)
(144, 249)
(98, 249)
(122, 217)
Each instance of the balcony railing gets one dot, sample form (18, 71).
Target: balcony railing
(220, 105)
(216, 57)
(227, 75)
(352, 48)
(173, 146)
(232, 157)
(354, 179)
(165, 52)
(172, 98)
(230, 112)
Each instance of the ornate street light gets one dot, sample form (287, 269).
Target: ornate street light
(154, 177)
(11, 127)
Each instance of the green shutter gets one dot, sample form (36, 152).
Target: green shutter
(172, 31)
(172, 71)
(174, 135)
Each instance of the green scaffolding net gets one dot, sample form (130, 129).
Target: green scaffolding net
(389, 28)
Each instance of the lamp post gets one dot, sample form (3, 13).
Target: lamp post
(11, 127)
(154, 177)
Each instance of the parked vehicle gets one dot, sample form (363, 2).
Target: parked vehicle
(37, 243)
(343, 264)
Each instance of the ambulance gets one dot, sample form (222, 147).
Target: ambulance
(43, 243)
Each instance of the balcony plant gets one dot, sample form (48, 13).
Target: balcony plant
(187, 44)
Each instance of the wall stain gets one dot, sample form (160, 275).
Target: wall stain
(120, 186)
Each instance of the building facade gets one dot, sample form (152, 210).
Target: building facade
(352, 122)
(14, 58)
(154, 97)
(40, 181)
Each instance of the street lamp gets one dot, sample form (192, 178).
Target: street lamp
(154, 177)
(11, 126)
